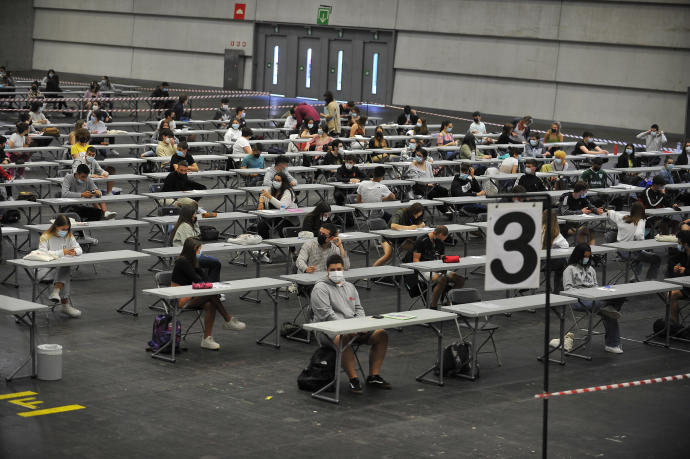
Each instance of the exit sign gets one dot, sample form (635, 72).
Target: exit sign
(323, 15)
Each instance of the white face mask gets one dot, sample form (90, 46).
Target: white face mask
(687, 149)
(224, 107)
(528, 170)
(585, 261)
(349, 166)
(324, 218)
(336, 276)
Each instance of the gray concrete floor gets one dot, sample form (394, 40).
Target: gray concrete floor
(216, 404)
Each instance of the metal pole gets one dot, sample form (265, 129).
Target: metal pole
(547, 326)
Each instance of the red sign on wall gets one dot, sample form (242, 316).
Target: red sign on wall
(240, 9)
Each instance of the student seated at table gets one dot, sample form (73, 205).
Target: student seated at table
(586, 146)
(529, 180)
(370, 191)
(59, 241)
(445, 138)
(679, 266)
(36, 113)
(161, 91)
(581, 274)
(321, 140)
(241, 145)
(379, 142)
(576, 202)
(253, 161)
(80, 185)
(314, 219)
(187, 271)
(314, 253)
(431, 247)
(333, 157)
(511, 163)
(166, 144)
(81, 137)
(280, 195)
(348, 172)
(465, 184)
(182, 154)
(558, 164)
(234, 132)
(19, 139)
(223, 113)
(506, 137)
(521, 131)
(535, 148)
(632, 228)
(241, 114)
(72, 138)
(279, 167)
(96, 171)
(178, 180)
(655, 197)
(169, 117)
(181, 113)
(420, 168)
(557, 242)
(291, 120)
(95, 123)
(553, 135)
(334, 298)
(406, 218)
(408, 117)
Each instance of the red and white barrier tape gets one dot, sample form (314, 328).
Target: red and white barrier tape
(642, 382)
(124, 99)
(130, 110)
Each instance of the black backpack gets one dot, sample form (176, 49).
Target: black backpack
(208, 233)
(457, 358)
(676, 330)
(319, 372)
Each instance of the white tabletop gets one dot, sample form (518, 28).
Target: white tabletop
(208, 247)
(83, 259)
(620, 290)
(100, 224)
(507, 305)
(11, 305)
(241, 285)
(221, 216)
(349, 275)
(354, 236)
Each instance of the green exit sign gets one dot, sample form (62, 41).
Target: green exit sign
(323, 15)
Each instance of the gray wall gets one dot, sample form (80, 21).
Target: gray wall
(615, 63)
(16, 27)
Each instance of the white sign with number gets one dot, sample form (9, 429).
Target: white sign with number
(513, 242)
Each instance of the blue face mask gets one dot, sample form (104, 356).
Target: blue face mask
(90, 158)
(464, 176)
(585, 261)
(235, 126)
(81, 181)
(449, 130)
(680, 247)
(277, 185)
(533, 143)
(62, 233)
(180, 153)
(243, 114)
(584, 195)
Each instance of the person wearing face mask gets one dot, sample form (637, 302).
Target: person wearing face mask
(280, 165)
(88, 158)
(182, 154)
(477, 126)
(95, 124)
(234, 132)
(36, 113)
(595, 176)
(242, 147)
(182, 114)
(334, 298)
(281, 195)
(253, 161)
(35, 91)
(535, 148)
(655, 197)
(375, 191)
(378, 141)
(305, 111)
(331, 114)
(559, 164)
(357, 128)
(52, 84)
(166, 144)
(319, 140)
(408, 117)
(333, 157)
(632, 228)
(80, 185)
(314, 219)
(654, 138)
(223, 113)
(581, 274)
(628, 160)
(241, 114)
(420, 168)
(162, 91)
(672, 175)
(348, 172)
(406, 218)
(314, 253)
(59, 241)
(683, 158)
(576, 202)
(445, 139)
(310, 130)
(187, 271)
(529, 180)
(178, 180)
(586, 146)
(510, 164)
(290, 120)
(521, 129)
(465, 184)
(679, 266)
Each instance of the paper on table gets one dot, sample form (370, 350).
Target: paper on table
(606, 289)
(399, 315)
(295, 210)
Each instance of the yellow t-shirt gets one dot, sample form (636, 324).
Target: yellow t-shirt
(77, 148)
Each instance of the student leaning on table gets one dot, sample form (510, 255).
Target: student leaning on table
(375, 191)
(81, 137)
(679, 266)
(80, 185)
(279, 166)
(407, 218)
(314, 253)
(58, 240)
(186, 272)
(334, 298)
(280, 195)
(581, 274)
(96, 171)
(632, 228)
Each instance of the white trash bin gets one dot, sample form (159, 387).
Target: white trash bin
(49, 362)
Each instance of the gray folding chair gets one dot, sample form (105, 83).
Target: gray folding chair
(471, 295)
(164, 279)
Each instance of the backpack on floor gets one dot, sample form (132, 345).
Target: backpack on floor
(457, 358)
(319, 372)
(676, 330)
(162, 329)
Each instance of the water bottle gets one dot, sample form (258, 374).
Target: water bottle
(678, 148)
(282, 207)
(473, 156)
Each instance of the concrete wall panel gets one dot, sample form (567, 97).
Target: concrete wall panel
(84, 27)
(218, 9)
(119, 6)
(83, 58)
(378, 14)
(199, 69)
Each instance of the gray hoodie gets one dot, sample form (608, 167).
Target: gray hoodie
(653, 140)
(579, 276)
(73, 188)
(330, 301)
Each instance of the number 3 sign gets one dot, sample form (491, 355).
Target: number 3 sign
(513, 242)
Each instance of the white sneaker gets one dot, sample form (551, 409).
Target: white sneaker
(209, 343)
(70, 311)
(108, 215)
(614, 349)
(89, 240)
(265, 258)
(55, 295)
(568, 342)
(222, 297)
(114, 152)
(200, 210)
(234, 324)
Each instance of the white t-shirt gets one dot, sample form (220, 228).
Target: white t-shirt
(36, 117)
(238, 148)
(506, 166)
(171, 124)
(371, 191)
(560, 242)
(290, 122)
(626, 231)
(232, 134)
(477, 128)
(16, 140)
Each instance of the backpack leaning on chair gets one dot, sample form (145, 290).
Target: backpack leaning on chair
(162, 330)
(457, 358)
(320, 370)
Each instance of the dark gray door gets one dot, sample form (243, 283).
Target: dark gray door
(275, 64)
(340, 73)
(309, 68)
(375, 72)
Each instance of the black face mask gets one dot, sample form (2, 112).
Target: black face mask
(379, 135)
(476, 120)
(322, 239)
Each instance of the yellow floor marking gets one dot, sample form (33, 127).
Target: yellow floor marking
(16, 394)
(57, 409)
(25, 402)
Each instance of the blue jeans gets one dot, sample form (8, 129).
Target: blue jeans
(212, 267)
(612, 335)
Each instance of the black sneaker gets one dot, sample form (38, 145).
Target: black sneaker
(356, 386)
(378, 381)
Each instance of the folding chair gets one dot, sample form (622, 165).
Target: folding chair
(85, 241)
(302, 292)
(579, 313)
(471, 295)
(354, 346)
(164, 279)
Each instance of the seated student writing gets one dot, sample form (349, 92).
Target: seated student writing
(59, 241)
(678, 266)
(432, 247)
(281, 195)
(375, 191)
(632, 228)
(557, 242)
(187, 271)
(314, 253)
(581, 274)
(81, 137)
(406, 218)
(96, 171)
(576, 202)
(80, 185)
(334, 299)
(254, 160)
(586, 146)
(465, 184)
(178, 180)
(182, 154)
(655, 197)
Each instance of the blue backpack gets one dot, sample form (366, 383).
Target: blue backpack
(162, 329)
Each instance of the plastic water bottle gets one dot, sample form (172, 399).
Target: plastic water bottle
(473, 155)
(678, 148)
(282, 207)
